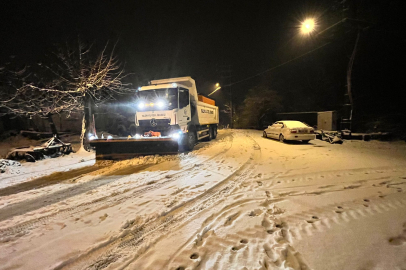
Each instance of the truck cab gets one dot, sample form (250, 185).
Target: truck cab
(164, 108)
(172, 108)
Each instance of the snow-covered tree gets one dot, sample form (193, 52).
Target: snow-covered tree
(72, 78)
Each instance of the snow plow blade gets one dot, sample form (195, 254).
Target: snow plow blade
(116, 149)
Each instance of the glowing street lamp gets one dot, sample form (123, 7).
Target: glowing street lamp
(218, 87)
(308, 26)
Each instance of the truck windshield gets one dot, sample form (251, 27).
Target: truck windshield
(157, 99)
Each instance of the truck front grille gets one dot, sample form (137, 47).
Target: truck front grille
(153, 123)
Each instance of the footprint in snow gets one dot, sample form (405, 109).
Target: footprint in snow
(314, 219)
(397, 241)
(256, 212)
(268, 194)
(194, 256)
(236, 248)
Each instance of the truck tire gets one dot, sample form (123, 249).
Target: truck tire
(214, 132)
(122, 131)
(211, 134)
(189, 141)
(133, 130)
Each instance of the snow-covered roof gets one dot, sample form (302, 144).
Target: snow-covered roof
(293, 124)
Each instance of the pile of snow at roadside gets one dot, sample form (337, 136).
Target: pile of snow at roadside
(27, 171)
(9, 166)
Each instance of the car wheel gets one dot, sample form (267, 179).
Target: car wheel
(306, 141)
(264, 135)
(281, 138)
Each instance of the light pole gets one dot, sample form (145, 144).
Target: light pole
(218, 87)
(307, 27)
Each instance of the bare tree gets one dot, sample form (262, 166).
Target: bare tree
(259, 102)
(74, 78)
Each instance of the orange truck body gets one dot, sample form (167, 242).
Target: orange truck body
(206, 100)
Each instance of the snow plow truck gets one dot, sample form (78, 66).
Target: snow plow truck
(170, 116)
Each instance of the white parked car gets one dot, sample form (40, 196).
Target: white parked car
(290, 131)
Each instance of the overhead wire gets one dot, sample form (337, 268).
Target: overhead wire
(282, 64)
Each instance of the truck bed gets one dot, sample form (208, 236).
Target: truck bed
(207, 114)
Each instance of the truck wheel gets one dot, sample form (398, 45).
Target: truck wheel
(133, 130)
(211, 133)
(122, 131)
(208, 138)
(214, 132)
(189, 141)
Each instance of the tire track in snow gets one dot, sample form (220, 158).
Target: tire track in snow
(325, 175)
(125, 246)
(23, 207)
(7, 233)
(275, 237)
(320, 219)
(279, 252)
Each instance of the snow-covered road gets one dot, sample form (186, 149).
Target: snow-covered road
(238, 202)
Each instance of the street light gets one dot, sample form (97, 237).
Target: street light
(218, 87)
(308, 26)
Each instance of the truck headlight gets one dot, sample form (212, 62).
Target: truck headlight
(176, 135)
(141, 105)
(160, 104)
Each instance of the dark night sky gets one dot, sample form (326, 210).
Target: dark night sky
(159, 39)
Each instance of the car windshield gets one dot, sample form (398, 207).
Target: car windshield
(295, 124)
(169, 96)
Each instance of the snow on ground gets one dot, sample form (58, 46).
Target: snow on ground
(238, 202)
(31, 170)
